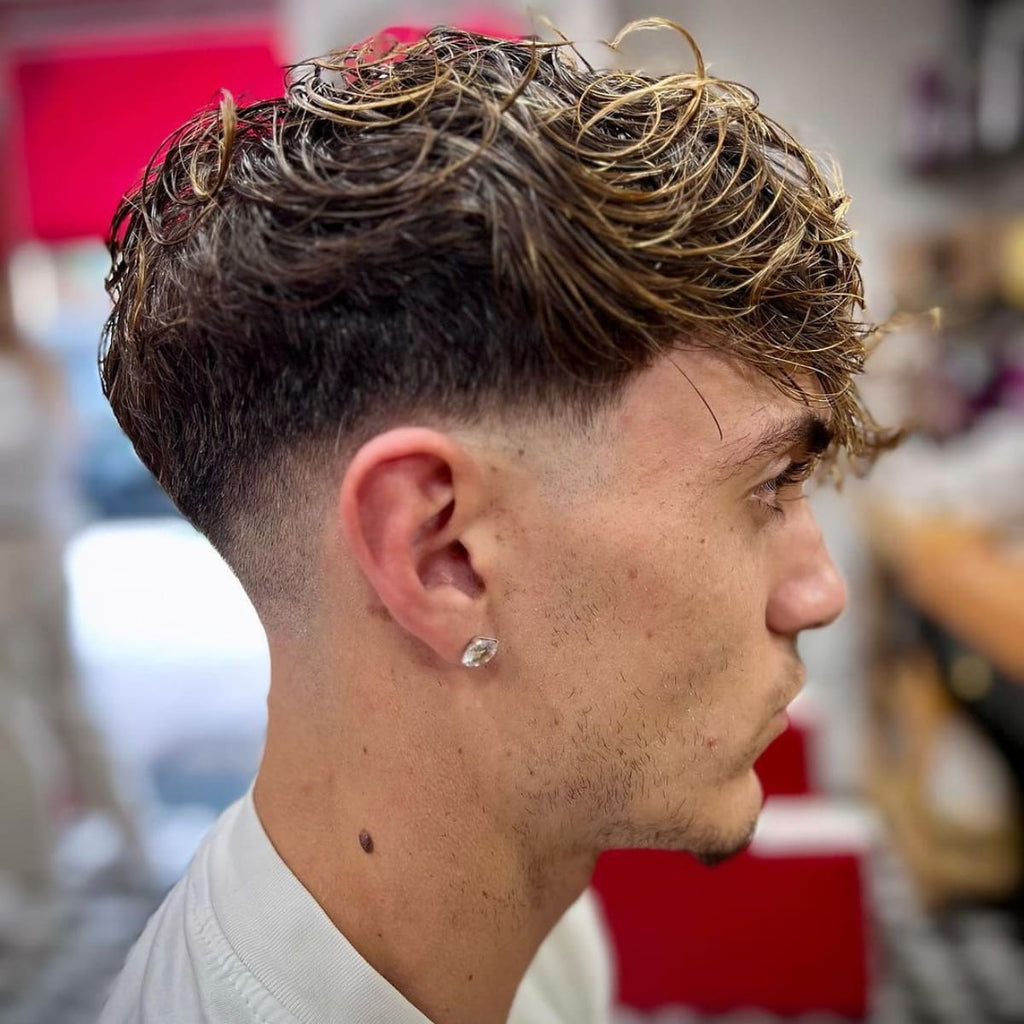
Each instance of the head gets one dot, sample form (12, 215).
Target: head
(470, 339)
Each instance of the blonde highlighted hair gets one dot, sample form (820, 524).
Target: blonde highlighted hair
(459, 226)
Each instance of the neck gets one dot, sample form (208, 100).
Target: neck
(396, 839)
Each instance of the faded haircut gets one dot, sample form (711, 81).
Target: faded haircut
(459, 228)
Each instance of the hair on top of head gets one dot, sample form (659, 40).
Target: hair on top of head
(453, 228)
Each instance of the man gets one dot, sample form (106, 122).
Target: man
(496, 380)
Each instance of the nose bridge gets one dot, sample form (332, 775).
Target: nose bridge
(810, 592)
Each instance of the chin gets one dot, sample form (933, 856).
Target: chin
(732, 834)
(713, 855)
(722, 828)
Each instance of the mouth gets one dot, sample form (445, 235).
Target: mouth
(800, 681)
(781, 716)
(773, 729)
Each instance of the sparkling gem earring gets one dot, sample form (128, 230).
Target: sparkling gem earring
(479, 651)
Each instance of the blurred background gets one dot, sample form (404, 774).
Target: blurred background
(885, 881)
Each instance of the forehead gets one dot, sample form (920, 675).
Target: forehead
(703, 410)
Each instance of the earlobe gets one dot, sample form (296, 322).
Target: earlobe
(408, 498)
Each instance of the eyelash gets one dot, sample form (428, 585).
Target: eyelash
(795, 473)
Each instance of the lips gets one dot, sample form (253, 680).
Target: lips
(775, 727)
(801, 679)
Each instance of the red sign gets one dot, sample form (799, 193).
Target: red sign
(87, 116)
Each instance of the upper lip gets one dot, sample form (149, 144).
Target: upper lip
(801, 678)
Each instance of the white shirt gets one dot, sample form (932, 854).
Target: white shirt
(239, 940)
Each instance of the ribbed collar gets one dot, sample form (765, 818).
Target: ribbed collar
(286, 940)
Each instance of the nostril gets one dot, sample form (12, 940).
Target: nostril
(810, 600)
(822, 623)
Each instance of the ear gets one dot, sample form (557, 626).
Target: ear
(411, 504)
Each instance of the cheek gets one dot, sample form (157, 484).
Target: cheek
(663, 606)
(679, 589)
(694, 641)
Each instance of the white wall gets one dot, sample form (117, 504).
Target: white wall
(314, 27)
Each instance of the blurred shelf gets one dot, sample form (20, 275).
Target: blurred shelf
(955, 848)
(975, 167)
(958, 575)
(947, 860)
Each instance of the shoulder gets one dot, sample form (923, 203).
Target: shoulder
(159, 971)
(183, 968)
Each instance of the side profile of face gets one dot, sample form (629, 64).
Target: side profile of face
(649, 591)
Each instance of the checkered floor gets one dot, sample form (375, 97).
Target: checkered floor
(967, 968)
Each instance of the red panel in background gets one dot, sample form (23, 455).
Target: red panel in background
(783, 767)
(89, 115)
(786, 934)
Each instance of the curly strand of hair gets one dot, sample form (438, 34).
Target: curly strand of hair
(222, 129)
(602, 218)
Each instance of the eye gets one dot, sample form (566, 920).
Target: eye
(777, 489)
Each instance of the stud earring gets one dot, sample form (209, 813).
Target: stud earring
(479, 651)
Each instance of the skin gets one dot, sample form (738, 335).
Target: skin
(647, 587)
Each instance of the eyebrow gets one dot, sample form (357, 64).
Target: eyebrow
(812, 434)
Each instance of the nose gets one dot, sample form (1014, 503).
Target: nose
(809, 592)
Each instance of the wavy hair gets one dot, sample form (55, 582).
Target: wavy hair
(458, 227)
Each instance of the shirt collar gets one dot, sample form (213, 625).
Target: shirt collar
(285, 939)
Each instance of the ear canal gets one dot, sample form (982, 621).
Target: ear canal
(451, 567)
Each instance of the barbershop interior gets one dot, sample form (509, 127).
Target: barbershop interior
(885, 880)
